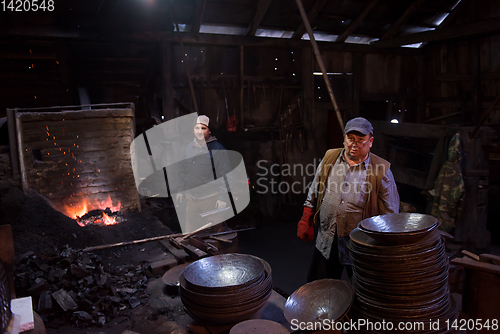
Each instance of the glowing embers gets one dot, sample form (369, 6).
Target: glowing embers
(95, 212)
(100, 217)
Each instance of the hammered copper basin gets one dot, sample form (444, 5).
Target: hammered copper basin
(226, 271)
(399, 228)
(399, 223)
(249, 286)
(319, 300)
(364, 242)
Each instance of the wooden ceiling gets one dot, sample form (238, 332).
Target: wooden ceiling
(368, 19)
(103, 44)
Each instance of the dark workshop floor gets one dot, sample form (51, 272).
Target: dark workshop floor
(274, 240)
(288, 256)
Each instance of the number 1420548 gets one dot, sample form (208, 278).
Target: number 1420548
(27, 5)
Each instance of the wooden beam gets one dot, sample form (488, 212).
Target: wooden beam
(262, 7)
(354, 23)
(410, 129)
(83, 38)
(198, 15)
(409, 12)
(313, 13)
(476, 266)
(320, 63)
(13, 55)
(489, 26)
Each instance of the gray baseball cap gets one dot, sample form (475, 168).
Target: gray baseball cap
(359, 124)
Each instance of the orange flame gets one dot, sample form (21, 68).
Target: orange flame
(76, 211)
(107, 220)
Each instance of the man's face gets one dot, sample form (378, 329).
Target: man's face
(201, 132)
(357, 145)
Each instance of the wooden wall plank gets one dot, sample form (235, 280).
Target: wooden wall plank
(382, 73)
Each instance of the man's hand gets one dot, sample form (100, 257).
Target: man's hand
(220, 204)
(178, 198)
(305, 230)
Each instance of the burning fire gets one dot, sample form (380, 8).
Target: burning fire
(107, 220)
(77, 212)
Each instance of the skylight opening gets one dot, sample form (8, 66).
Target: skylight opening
(321, 36)
(360, 40)
(415, 30)
(273, 33)
(182, 27)
(332, 73)
(443, 16)
(440, 18)
(222, 30)
(414, 46)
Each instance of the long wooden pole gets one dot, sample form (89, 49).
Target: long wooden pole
(133, 242)
(320, 62)
(169, 236)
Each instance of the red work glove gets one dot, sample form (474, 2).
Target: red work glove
(305, 230)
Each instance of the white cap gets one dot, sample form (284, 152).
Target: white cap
(202, 119)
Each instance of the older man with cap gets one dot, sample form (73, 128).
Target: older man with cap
(350, 184)
(197, 170)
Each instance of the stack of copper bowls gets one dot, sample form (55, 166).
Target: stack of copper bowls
(400, 274)
(226, 288)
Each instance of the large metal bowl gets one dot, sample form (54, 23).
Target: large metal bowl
(223, 272)
(221, 304)
(399, 223)
(363, 242)
(324, 299)
(399, 228)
